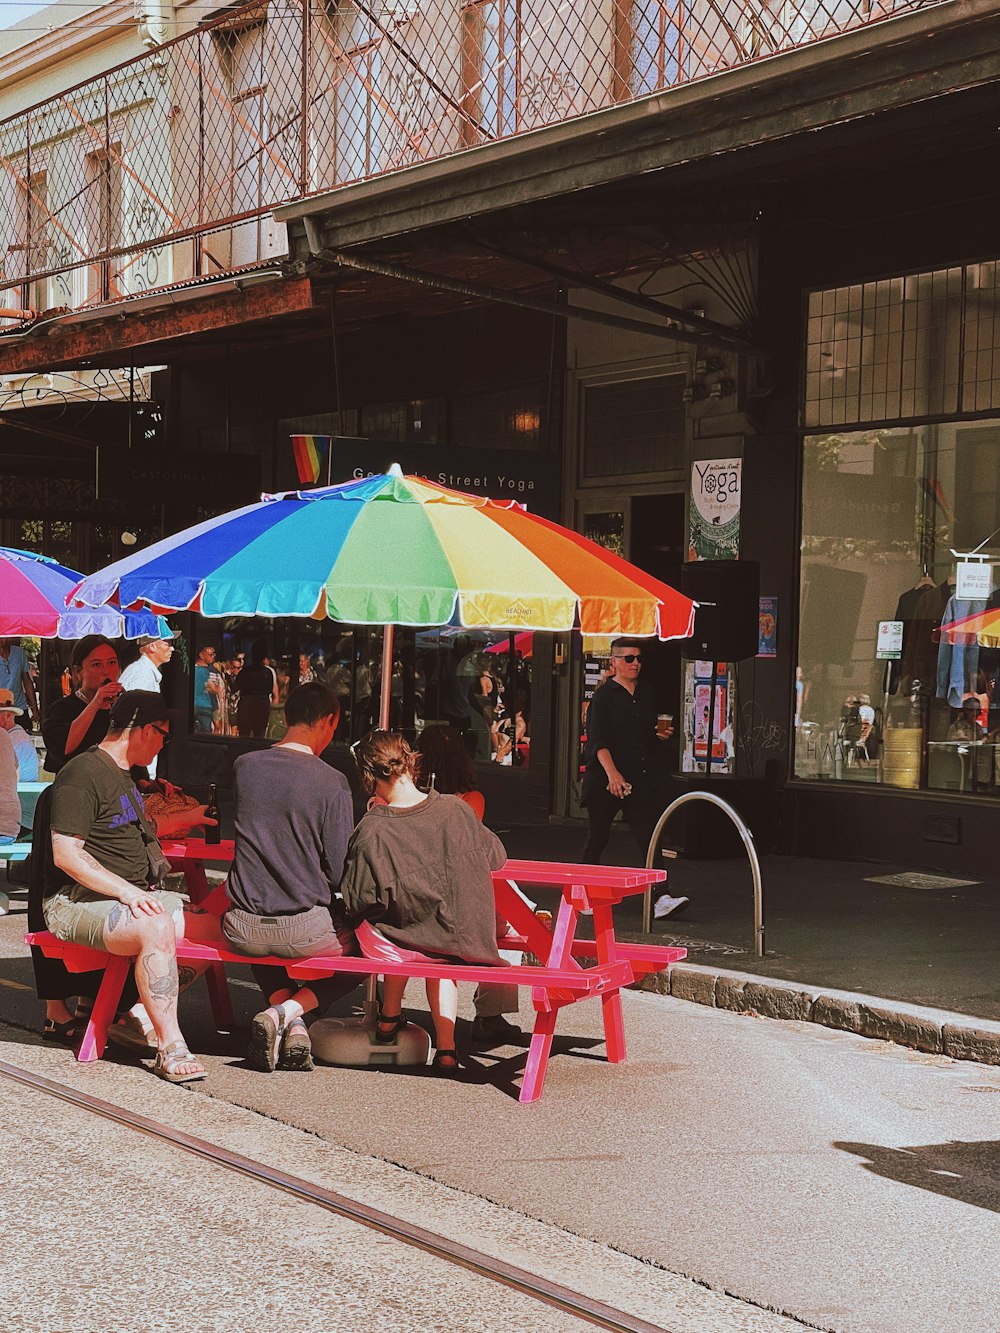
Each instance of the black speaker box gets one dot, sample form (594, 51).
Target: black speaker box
(726, 624)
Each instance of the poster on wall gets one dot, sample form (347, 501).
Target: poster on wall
(697, 701)
(714, 514)
(767, 627)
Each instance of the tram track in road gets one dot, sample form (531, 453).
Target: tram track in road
(553, 1294)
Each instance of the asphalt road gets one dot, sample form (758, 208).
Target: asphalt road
(107, 1229)
(849, 1184)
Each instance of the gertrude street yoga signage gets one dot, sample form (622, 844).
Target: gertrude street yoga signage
(503, 474)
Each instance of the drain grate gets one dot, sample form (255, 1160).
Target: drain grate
(701, 946)
(912, 879)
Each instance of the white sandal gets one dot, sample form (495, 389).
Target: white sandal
(167, 1060)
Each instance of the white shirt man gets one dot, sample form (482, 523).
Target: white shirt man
(145, 673)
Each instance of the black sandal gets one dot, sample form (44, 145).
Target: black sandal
(440, 1064)
(393, 1022)
(67, 1033)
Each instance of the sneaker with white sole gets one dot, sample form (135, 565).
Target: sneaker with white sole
(667, 906)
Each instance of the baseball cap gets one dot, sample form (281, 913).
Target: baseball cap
(7, 703)
(137, 708)
(166, 633)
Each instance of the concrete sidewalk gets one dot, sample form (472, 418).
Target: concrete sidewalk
(915, 965)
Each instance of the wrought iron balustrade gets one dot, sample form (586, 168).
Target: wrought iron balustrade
(166, 168)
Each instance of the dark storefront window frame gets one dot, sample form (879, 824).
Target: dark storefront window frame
(959, 345)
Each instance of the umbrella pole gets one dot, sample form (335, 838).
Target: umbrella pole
(371, 994)
(386, 691)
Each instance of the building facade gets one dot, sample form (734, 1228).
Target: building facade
(608, 252)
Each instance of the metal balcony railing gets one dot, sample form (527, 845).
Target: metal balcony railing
(165, 169)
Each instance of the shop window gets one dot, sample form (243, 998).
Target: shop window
(891, 689)
(509, 418)
(904, 347)
(633, 427)
(607, 530)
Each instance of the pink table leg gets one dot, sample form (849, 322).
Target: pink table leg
(545, 1022)
(196, 881)
(103, 1013)
(219, 998)
(611, 1001)
(538, 1056)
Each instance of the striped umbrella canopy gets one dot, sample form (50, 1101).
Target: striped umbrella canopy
(33, 594)
(394, 550)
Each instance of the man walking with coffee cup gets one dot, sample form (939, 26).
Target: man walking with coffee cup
(622, 731)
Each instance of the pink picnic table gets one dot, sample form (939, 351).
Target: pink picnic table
(190, 855)
(561, 980)
(585, 888)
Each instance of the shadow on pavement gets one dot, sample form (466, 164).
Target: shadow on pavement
(969, 1172)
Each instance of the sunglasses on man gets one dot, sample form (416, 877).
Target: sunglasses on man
(629, 657)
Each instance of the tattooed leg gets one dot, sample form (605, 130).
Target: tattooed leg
(118, 916)
(162, 979)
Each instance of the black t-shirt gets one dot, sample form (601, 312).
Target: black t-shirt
(625, 724)
(254, 682)
(94, 799)
(55, 730)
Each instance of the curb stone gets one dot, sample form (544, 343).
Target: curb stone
(931, 1030)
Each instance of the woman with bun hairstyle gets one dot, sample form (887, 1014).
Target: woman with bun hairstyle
(418, 868)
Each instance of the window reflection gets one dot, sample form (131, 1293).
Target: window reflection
(476, 681)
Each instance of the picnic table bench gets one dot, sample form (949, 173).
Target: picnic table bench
(559, 980)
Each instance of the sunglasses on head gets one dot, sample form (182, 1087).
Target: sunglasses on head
(629, 657)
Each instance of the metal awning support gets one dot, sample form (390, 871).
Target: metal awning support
(480, 292)
(711, 329)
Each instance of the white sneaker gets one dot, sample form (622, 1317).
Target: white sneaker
(667, 906)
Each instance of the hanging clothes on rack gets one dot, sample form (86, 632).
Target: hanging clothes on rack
(906, 610)
(958, 662)
(920, 652)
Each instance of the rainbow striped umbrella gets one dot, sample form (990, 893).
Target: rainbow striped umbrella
(394, 550)
(33, 593)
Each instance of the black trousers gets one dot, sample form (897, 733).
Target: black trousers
(640, 811)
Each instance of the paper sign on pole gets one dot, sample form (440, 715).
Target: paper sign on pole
(889, 645)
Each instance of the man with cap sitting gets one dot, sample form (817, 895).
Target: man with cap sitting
(27, 755)
(103, 890)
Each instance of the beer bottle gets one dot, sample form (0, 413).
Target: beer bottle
(213, 832)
